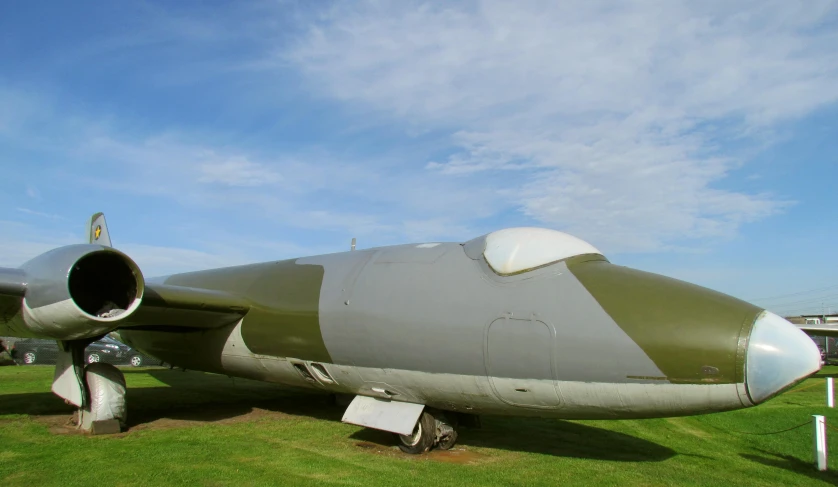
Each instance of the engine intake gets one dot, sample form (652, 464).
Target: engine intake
(80, 291)
(102, 283)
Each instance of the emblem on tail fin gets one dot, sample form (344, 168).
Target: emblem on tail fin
(98, 230)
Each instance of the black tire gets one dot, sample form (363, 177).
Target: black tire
(29, 357)
(137, 361)
(448, 442)
(423, 436)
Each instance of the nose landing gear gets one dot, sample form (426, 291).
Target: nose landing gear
(433, 429)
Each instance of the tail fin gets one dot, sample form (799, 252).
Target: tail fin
(98, 230)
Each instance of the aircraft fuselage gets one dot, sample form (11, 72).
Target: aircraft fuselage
(431, 324)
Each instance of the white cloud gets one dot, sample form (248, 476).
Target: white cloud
(608, 120)
(20, 242)
(40, 214)
(312, 190)
(238, 172)
(157, 260)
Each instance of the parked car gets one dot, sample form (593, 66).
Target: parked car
(5, 353)
(37, 351)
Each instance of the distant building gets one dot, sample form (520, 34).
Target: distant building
(827, 345)
(813, 319)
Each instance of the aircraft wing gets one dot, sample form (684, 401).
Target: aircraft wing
(179, 307)
(12, 282)
(12, 290)
(820, 330)
(162, 307)
(85, 290)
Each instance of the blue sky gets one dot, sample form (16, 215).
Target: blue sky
(694, 139)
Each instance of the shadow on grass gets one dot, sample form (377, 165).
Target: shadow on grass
(548, 437)
(792, 464)
(190, 396)
(828, 370)
(34, 404)
(195, 396)
(154, 403)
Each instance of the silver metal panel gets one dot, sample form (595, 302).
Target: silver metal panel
(381, 414)
(580, 400)
(413, 253)
(12, 282)
(411, 315)
(515, 351)
(519, 349)
(432, 317)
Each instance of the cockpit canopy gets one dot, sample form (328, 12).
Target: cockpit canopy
(516, 250)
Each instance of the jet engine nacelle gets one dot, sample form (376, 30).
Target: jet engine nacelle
(80, 291)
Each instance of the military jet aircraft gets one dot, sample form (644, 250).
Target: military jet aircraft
(521, 321)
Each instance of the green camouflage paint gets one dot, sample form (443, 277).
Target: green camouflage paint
(284, 298)
(693, 334)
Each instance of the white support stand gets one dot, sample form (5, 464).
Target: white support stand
(820, 442)
(830, 392)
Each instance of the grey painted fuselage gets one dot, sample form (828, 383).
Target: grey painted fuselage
(430, 324)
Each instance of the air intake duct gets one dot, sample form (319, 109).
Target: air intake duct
(80, 291)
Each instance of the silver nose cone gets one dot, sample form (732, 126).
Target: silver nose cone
(779, 355)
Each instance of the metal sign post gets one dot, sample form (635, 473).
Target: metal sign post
(830, 393)
(820, 442)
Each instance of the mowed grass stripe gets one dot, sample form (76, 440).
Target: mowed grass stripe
(190, 428)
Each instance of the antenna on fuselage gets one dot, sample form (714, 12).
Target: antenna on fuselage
(353, 244)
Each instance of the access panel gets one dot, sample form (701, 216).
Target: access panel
(519, 362)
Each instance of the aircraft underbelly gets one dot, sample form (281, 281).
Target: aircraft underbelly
(225, 352)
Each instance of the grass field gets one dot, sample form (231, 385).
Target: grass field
(189, 428)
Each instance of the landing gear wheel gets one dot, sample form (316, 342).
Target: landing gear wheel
(106, 386)
(93, 358)
(422, 438)
(448, 442)
(446, 431)
(30, 358)
(136, 361)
